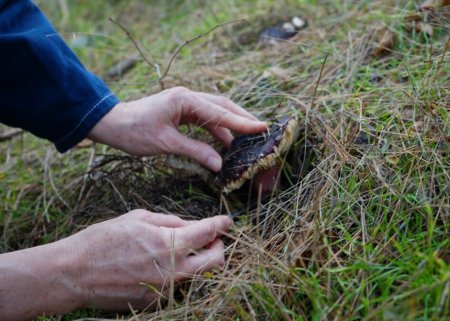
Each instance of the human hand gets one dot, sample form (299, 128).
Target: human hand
(149, 126)
(116, 258)
(107, 265)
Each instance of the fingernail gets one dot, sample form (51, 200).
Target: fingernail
(215, 163)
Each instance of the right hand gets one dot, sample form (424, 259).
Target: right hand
(150, 126)
(117, 258)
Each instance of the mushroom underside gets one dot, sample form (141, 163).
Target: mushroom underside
(250, 154)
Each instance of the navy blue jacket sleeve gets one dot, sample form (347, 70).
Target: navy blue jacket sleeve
(43, 86)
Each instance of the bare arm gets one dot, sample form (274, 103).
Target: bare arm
(106, 265)
(38, 280)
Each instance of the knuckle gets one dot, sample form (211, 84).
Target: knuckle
(210, 232)
(139, 212)
(176, 218)
(163, 242)
(130, 214)
(225, 113)
(179, 90)
(225, 101)
(171, 218)
(176, 93)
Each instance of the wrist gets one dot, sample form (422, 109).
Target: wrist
(68, 268)
(111, 128)
(39, 280)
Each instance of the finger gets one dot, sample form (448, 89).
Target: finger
(207, 259)
(222, 134)
(201, 152)
(166, 220)
(228, 104)
(201, 233)
(158, 219)
(210, 113)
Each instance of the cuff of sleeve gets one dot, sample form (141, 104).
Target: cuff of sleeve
(87, 122)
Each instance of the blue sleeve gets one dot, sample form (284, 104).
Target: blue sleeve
(44, 88)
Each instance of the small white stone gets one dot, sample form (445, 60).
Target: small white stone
(288, 27)
(298, 22)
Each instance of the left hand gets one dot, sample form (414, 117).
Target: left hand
(115, 259)
(110, 265)
(149, 126)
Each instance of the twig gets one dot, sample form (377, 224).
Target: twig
(122, 67)
(318, 80)
(10, 134)
(187, 42)
(175, 54)
(155, 65)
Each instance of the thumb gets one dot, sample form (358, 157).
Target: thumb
(201, 152)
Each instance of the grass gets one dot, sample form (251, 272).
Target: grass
(364, 235)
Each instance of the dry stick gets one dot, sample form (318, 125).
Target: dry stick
(122, 67)
(128, 34)
(175, 54)
(318, 80)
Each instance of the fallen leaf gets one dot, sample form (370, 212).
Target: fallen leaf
(386, 41)
(420, 27)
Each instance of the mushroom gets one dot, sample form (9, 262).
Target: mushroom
(249, 154)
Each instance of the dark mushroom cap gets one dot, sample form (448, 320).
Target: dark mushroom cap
(276, 33)
(249, 154)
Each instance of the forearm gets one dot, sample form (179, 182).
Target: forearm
(37, 281)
